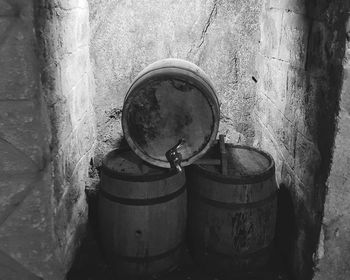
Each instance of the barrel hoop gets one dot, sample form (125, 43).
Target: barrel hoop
(202, 79)
(251, 179)
(142, 201)
(148, 259)
(233, 205)
(245, 255)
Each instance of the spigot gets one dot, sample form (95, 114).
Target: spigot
(174, 156)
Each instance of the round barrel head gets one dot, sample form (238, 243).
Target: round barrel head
(125, 162)
(243, 161)
(170, 100)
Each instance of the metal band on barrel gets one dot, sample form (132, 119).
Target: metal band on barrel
(147, 259)
(143, 201)
(232, 205)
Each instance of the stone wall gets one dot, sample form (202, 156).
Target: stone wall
(334, 246)
(27, 244)
(220, 36)
(64, 36)
(300, 70)
(46, 135)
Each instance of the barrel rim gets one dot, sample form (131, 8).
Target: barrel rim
(247, 179)
(200, 73)
(132, 178)
(143, 201)
(209, 93)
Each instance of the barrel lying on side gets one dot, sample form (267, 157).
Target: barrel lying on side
(232, 218)
(171, 99)
(142, 215)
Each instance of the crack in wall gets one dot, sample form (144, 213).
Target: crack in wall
(210, 20)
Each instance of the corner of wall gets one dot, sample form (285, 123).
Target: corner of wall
(64, 36)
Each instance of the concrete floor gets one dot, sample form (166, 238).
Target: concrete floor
(90, 265)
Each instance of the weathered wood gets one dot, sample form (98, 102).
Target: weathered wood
(232, 217)
(142, 215)
(171, 99)
(208, 161)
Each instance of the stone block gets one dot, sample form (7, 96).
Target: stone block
(301, 106)
(13, 188)
(296, 6)
(299, 193)
(271, 32)
(307, 160)
(75, 147)
(70, 5)
(18, 74)
(268, 144)
(12, 270)
(294, 39)
(296, 91)
(27, 237)
(281, 130)
(73, 68)
(21, 125)
(71, 212)
(61, 120)
(274, 80)
(14, 160)
(19, 9)
(81, 100)
(74, 30)
(272, 117)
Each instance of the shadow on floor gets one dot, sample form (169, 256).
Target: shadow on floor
(89, 264)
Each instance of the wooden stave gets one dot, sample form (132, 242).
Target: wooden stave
(217, 260)
(168, 253)
(171, 252)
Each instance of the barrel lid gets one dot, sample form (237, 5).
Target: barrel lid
(171, 99)
(244, 164)
(125, 164)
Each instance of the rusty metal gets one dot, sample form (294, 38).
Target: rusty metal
(174, 156)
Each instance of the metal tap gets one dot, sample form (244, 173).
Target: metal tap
(174, 156)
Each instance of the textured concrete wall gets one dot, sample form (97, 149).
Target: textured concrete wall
(27, 244)
(302, 47)
(220, 36)
(46, 135)
(334, 247)
(64, 36)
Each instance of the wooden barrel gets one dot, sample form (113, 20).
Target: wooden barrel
(142, 215)
(171, 99)
(232, 218)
